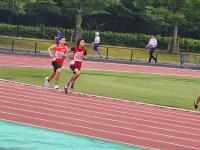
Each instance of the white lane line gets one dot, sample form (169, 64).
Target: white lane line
(78, 134)
(108, 125)
(112, 99)
(85, 101)
(96, 117)
(89, 128)
(104, 113)
(105, 108)
(145, 72)
(141, 66)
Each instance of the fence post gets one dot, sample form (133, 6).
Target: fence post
(181, 58)
(106, 52)
(13, 42)
(36, 44)
(132, 55)
(195, 59)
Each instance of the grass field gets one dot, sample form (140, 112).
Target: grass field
(156, 89)
(120, 52)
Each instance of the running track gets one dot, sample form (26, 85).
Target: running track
(120, 121)
(28, 61)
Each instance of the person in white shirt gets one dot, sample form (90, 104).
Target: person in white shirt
(152, 47)
(96, 43)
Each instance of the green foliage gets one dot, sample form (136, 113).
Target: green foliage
(169, 11)
(27, 31)
(15, 6)
(108, 38)
(80, 8)
(42, 10)
(10, 5)
(192, 12)
(99, 14)
(121, 11)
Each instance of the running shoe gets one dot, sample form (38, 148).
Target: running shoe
(66, 89)
(46, 83)
(195, 104)
(56, 87)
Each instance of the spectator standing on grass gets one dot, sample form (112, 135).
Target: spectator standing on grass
(152, 48)
(58, 36)
(96, 43)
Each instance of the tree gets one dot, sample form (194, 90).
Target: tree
(13, 7)
(170, 12)
(82, 7)
(42, 10)
(192, 13)
(16, 6)
(176, 16)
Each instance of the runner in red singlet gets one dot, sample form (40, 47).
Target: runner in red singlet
(79, 53)
(59, 54)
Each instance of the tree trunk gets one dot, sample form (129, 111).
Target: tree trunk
(174, 48)
(78, 31)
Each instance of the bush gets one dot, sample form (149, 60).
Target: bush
(107, 38)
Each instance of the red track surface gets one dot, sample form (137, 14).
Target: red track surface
(131, 123)
(28, 61)
(120, 121)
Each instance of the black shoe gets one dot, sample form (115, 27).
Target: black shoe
(195, 105)
(66, 90)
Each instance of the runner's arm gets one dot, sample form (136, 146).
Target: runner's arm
(65, 56)
(84, 56)
(49, 50)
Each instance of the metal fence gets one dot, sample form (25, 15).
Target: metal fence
(36, 46)
(40, 46)
(190, 58)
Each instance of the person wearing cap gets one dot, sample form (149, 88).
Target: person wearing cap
(96, 43)
(58, 36)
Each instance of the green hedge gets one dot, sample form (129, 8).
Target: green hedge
(108, 38)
